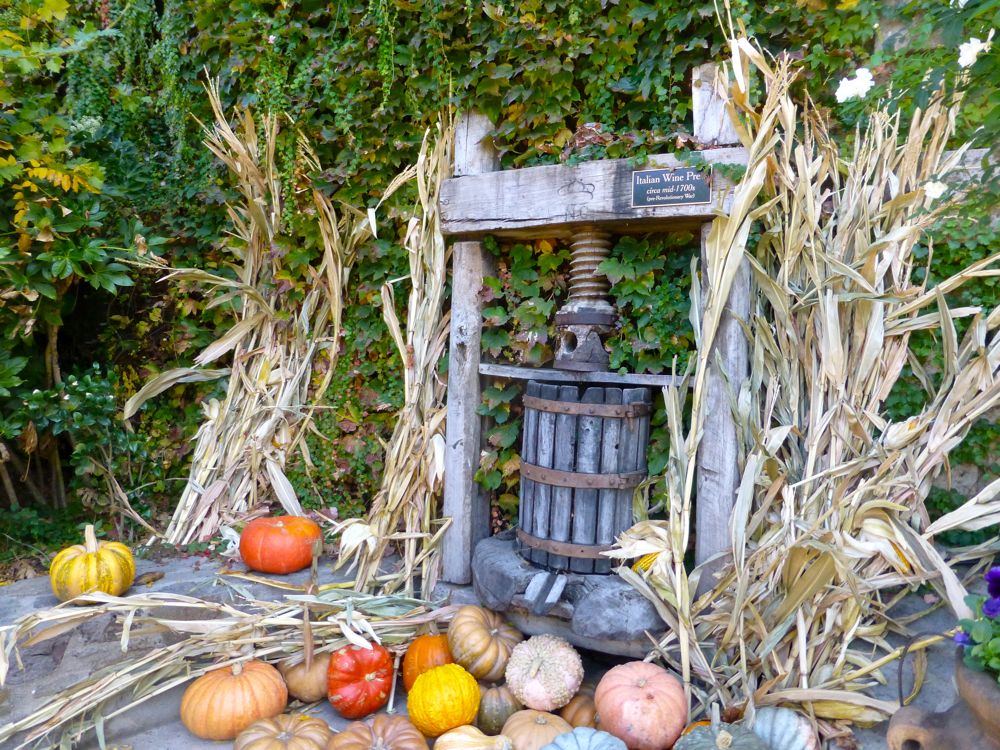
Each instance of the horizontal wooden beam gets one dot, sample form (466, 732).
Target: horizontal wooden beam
(550, 201)
(512, 372)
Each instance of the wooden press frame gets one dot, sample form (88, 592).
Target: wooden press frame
(551, 201)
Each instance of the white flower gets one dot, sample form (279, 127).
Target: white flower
(958, 3)
(970, 50)
(934, 190)
(858, 86)
(272, 39)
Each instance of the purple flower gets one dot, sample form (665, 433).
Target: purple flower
(991, 608)
(962, 638)
(993, 581)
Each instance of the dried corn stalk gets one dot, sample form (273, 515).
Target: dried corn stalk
(203, 635)
(829, 519)
(404, 512)
(242, 447)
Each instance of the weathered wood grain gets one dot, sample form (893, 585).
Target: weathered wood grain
(712, 123)
(565, 460)
(463, 500)
(607, 500)
(718, 471)
(588, 461)
(529, 442)
(549, 201)
(544, 457)
(513, 372)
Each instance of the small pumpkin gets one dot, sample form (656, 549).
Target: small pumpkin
(721, 737)
(222, 703)
(544, 672)
(642, 704)
(481, 641)
(586, 738)
(285, 732)
(92, 566)
(279, 544)
(496, 705)
(358, 680)
(443, 698)
(784, 729)
(307, 685)
(384, 732)
(533, 730)
(470, 738)
(425, 652)
(581, 711)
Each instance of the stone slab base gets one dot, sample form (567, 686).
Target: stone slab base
(598, 612)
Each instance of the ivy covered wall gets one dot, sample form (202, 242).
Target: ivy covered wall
(99, 145)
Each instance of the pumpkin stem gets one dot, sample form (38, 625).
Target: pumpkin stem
(237, 669)
(90, 539)
(724, 740)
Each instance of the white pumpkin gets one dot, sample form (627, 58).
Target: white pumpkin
(544, 672)
(783, 729)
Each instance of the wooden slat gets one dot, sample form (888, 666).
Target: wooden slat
(632, 456)
(607, 499)
(513, 372)
(549, 201)
(529, 438)
(545, 455)
(464, 500)
(565, 460)
(588, 460)
(718, 455)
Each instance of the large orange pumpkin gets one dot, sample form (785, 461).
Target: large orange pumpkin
(384, 732)
(426, 652)
(281, 544)
(481, 641)
(641, 704)
(359, 680)
(222, 703)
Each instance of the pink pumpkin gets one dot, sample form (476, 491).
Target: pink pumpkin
(544, 672)
(642, 704)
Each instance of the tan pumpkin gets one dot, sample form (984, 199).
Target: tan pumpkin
(306, 685)
(481, 641)
(470, 738)
(496, 705)
(581, 711)
(544, 672)
(443, 698)
(384, 732)
(533, 730)
(285, 732)
(92, 566)
(641, 704)
(222, 703)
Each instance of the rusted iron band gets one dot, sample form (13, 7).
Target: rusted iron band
(574, 479)
(622, 411)
(563, 549)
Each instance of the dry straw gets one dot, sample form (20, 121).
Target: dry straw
(275, 342)
(403, 514)
(829, 520)
(201, 636)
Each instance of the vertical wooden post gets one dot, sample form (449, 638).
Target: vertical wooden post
(463, 500)
(712, 124)
(718, 466)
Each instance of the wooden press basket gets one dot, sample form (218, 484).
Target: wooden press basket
(582, 456)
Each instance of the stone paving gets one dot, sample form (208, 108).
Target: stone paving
(57, 663)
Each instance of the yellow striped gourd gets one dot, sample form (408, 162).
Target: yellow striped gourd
(92, 566)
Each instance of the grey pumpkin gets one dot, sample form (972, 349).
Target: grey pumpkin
(585, 738)
(721, 737)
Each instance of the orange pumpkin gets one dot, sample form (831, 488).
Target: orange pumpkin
(581, 711)
(426, 652)
(641, 704)
(282, 544)
(384, 732)
(222, 703)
